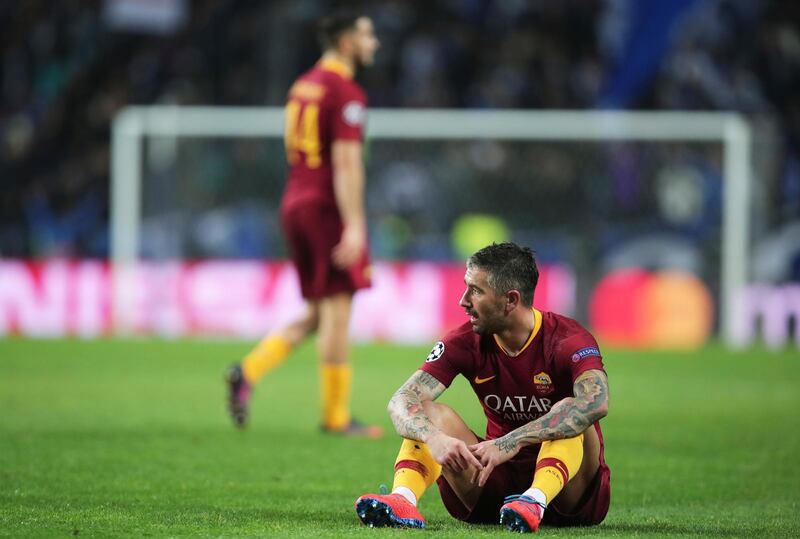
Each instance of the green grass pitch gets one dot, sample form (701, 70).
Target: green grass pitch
(130, 438)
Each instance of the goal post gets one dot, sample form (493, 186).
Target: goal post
(134, 125)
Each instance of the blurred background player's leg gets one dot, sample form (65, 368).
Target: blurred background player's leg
(336, 373)
(268, 354)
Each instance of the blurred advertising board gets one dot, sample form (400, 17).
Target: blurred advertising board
(408, 302)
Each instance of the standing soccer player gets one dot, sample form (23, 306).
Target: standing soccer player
(322, 214)
(540, 379)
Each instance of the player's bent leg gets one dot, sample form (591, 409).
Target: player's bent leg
(448, 421)
(415, 471)
(586, 498)
(267, 355)
(565, 472)
(569, 498)
(335, 370)
(557, 463)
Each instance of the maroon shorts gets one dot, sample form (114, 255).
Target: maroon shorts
(311, 232)
(514, 477)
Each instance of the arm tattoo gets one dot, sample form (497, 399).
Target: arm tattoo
(405, 407)
(568, 418)
(429, 381)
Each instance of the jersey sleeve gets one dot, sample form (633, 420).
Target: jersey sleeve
(349, 114)
(447, 359)
(579, 353)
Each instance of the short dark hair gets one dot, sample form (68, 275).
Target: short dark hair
(509, 267)
(331, 27)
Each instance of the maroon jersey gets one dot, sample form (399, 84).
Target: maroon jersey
(515, 390)
(323, 105)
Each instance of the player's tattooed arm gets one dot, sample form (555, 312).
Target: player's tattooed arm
(568, 418)
(406, 410)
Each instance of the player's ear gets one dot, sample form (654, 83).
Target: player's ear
(346, 42)
(513, 300)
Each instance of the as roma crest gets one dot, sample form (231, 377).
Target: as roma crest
(543, 383)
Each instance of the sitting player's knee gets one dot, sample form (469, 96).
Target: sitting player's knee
(439, 414)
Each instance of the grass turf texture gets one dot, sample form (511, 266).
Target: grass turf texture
(130, 438)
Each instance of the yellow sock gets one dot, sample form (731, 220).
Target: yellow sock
(267, 355)
(336, 381)
(558, 462)
(415, 468)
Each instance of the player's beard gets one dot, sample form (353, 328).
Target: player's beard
(488, 323)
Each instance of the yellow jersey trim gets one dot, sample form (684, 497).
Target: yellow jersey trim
(310, 91)
(537, 325)
(337, 67)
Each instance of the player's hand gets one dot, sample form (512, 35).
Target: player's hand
(454, 454)
(350, 247)
(490, 455)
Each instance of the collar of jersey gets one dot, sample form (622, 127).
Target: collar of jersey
(537, 325)
(340, 68)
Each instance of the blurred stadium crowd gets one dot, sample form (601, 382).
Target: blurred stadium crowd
(68, 66)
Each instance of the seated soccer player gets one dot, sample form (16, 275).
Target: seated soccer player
(540, 379)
